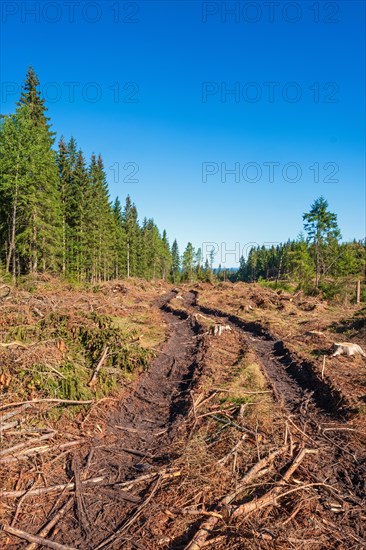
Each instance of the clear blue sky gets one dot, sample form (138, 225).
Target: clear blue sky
(170, 123)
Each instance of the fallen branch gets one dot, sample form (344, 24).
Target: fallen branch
(271, 498)
(94, 377)
(37, 450)
(20, 446)
(273, 495)
(81, 510)
(137, 453)
(228, 422)
(34, 538)
(9, 425)
(51, 400)
(163, 475)
(51, 489)
(49, 525)
(201, 536)
(15, 343)
(8, 415)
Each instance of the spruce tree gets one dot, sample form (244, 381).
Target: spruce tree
(15, 144)
(188, 262)
(37, 239)
(165, 256)
(175, 267)
(119, 241)
(322, 229)
(99, 223)
(133, 237)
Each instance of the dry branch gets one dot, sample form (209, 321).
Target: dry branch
(9, 425)
(15, 343)
(8, 415)
(51, 489)
(271, 497)
(50, 524)
(34, 538)
(200, 538)
(94, 377)
(21, 446)
(51, 400)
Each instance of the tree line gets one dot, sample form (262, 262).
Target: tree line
(313, 257)
(56, 215)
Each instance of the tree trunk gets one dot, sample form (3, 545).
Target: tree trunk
(12, 251)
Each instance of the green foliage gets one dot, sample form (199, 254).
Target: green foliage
(188, 262)
(175, 267)
(321, 259)
(85, 337)
(323, 234)
(55, 211)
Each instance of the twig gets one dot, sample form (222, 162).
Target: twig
(136, 452)
(234, 424)
(163, 475)
(128, 523)
(34, 538)
(15, 343)
(37, 450)
(225, 458)
(20, 502)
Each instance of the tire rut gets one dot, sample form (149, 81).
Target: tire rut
(343, 463)
(140, 432)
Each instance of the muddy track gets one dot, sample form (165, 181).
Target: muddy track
(314, 407)
(291, 378)
(139, 434)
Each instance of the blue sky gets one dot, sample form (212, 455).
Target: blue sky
(151, 92)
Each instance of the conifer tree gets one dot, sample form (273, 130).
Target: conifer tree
(133, 237)
(119, 241)
(39, 236)
(322, 229)
(165, 257)
(64, 179)
(15, 133)
(99, 223)
(175, 267)
(188, 262)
